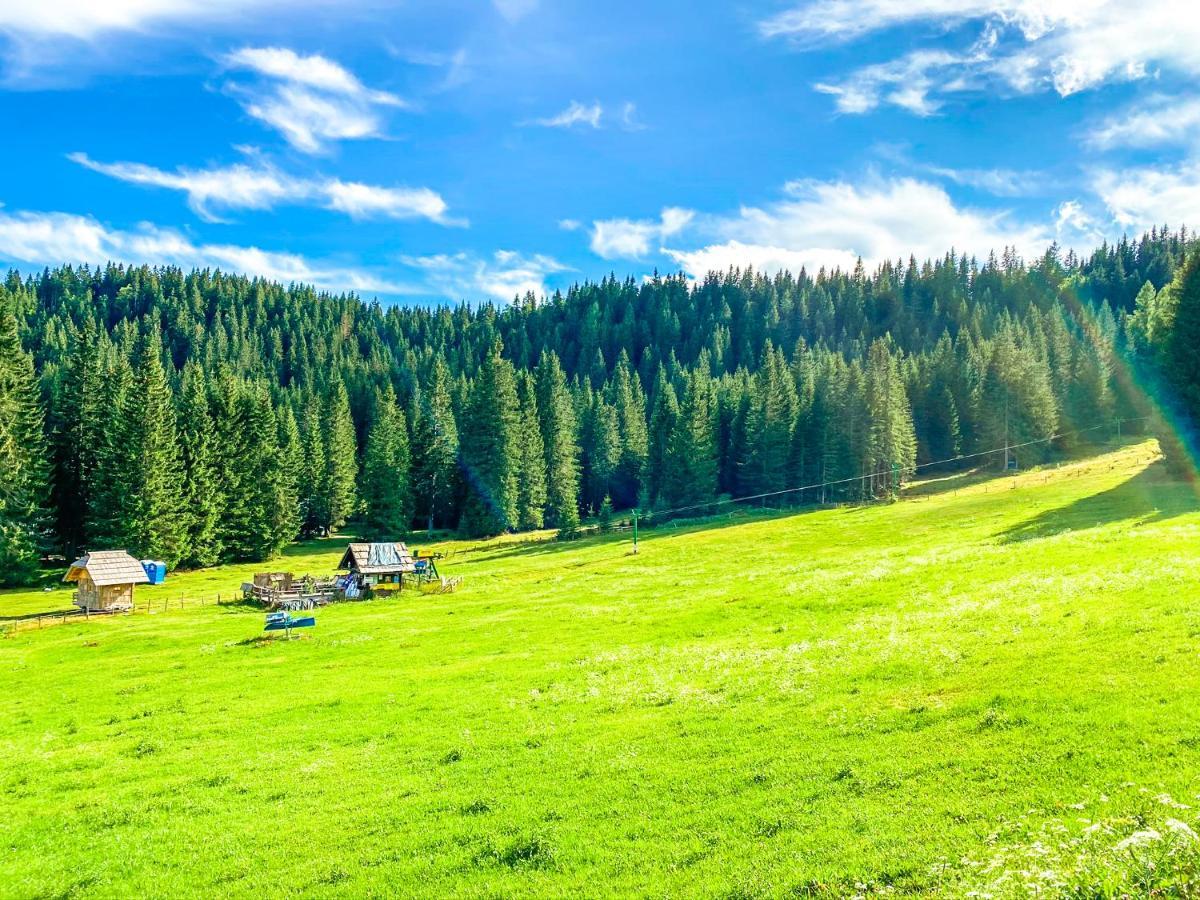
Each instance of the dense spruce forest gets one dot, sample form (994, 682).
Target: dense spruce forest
(200, 417)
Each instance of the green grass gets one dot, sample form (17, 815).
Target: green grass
(989, 686)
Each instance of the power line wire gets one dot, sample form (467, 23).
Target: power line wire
(940, 462)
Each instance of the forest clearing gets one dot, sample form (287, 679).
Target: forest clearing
(986, 686)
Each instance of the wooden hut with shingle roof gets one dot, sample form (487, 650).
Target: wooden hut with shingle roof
(105, 580)
(379, 565)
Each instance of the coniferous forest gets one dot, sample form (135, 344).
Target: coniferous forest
(201, 417)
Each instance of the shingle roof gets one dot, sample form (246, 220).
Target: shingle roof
(107, 567)
(377, 559)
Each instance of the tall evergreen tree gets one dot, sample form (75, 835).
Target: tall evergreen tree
(337, 490)
(203, 496)
(387, 499)
(24, 473)
(562, 452)
(629, 400)
(662, 426)
(435, 449)
(531, 478)
(491, 449)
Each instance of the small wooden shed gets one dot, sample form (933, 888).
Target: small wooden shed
(379, 565)
(105, 580)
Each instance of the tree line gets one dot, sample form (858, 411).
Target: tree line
(202, 417)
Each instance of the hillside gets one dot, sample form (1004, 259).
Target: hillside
(988, 685)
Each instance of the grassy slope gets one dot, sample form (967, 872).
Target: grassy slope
(922, 695)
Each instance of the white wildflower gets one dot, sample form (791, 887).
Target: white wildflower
(1140, 839)
(1182, 829)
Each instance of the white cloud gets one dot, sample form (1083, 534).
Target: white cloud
(998, 182)
(831, 224)
(85, 19)
(51, 238)
(504, 276)
(1153, 122)
(310, 100)
(1139, 198)
(263, 187)
(575, 114)
(570, 224)
(1025, 45)
(515, 10)
(633, 238)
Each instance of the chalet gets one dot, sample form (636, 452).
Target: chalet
(378, 566)
(105, 580)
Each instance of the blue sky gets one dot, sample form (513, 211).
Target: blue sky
(428, 152)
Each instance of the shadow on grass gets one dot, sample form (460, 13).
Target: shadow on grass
(649, 533)
(1150, 496)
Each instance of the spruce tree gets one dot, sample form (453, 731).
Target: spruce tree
(291, 462)
(662, 426)
(435, 449)
(629, 400)
(562, 452)
(153, 509)
(531, 491)
(24, 472)
(690, 462)
(891, 448)
(337, 489)
(387, 501)
(202, 491)
(491, 449)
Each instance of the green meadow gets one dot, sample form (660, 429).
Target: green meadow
(988, 686)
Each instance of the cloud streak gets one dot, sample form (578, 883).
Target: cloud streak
(264, 187)
(54, 238)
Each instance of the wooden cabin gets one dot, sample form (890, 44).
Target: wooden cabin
(380, 566)
(105, 580)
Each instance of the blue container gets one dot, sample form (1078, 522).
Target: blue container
(156, 570)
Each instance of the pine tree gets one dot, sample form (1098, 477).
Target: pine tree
(662, 425)
(1181, 346)
(202, 494)
(690, 461)
(628, 399)
(491, 449)
(435, 449)
(891, 448)
(387, 500)
(261, 509)
(291, 463)
(77, 415)
(772, 425)
(337, 490)
(24, 473)
(600, 446)
(531, 492)
(562, 452)
(155, 524)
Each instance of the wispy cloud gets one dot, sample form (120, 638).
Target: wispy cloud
(1023, 46)
(634, 238)
(515, 10)
(503, 276)
(53, 238)
(311, 100)
(1155, 121)
(575, 114)
(262, 187)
